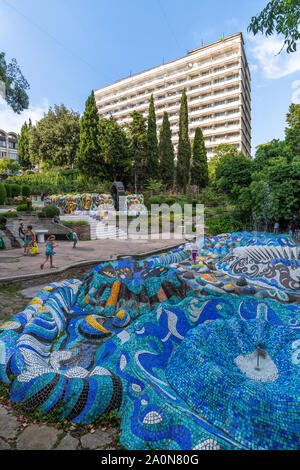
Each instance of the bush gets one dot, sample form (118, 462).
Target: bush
(15, 190)
(226, 223)
(2, 193)
(211, 197)
(49, 212)
(25, 191)
(3, 218)
(23, 207)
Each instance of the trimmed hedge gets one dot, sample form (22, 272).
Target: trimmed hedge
(49, 212)
(25, 190)
(8, 190)
(2, 193)
(23, 207)
(15, 190)
(70, 223)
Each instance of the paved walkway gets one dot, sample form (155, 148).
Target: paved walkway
(13, 263)
(17, 432)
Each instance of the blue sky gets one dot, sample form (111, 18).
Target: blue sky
(66, 48)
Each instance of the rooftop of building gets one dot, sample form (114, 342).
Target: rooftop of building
(205, 46)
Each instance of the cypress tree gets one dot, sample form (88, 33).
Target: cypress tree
(166, 152)
(115, 149)
(138, 148)
(152, 144)
(23, 146)
(199, 169)
(184, 146)
(89, 159)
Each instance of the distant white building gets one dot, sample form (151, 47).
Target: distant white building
(217, 82)
(8, 145)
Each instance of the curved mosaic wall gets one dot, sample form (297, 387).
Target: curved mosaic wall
(168, 343)
(99, 205)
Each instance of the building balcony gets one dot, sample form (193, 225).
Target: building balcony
(186, 82)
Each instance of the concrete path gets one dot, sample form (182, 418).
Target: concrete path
(13, 263)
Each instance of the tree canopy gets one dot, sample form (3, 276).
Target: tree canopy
(233, 172)
(184, 146)
(292, 131)
(55, 138)
(199, 169)
(90, 159)
(115, 150)
(282, 17)
(166, 153)
(14, 85)
(152, 143)
(137, 132)
(23, 146)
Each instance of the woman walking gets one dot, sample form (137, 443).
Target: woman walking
(49, 251)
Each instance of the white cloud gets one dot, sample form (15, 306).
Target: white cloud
(253, 67)
(296, 93)
(12, 122)
(266, 52)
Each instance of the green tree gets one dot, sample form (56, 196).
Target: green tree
(23, 146)
(292, 131)
(266, 152)
(282, 17)
(13, 85)
(34, 144)
(220, 151)
(138, 146)
(166, 153)
(115, 149)
(152, 144)
(233, 172)
(275, 191)
(54, 140)
(184, 146)
(90, 158)
(154, 186)
(8, 164)
(199, 169)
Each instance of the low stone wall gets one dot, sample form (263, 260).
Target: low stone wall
(83, 231)
(54, 228)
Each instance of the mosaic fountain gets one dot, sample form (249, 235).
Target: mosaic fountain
(193, 355)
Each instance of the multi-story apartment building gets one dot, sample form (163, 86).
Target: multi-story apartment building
(217, 82)
(8, 145)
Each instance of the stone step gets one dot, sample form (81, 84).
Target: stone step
(6, 240)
